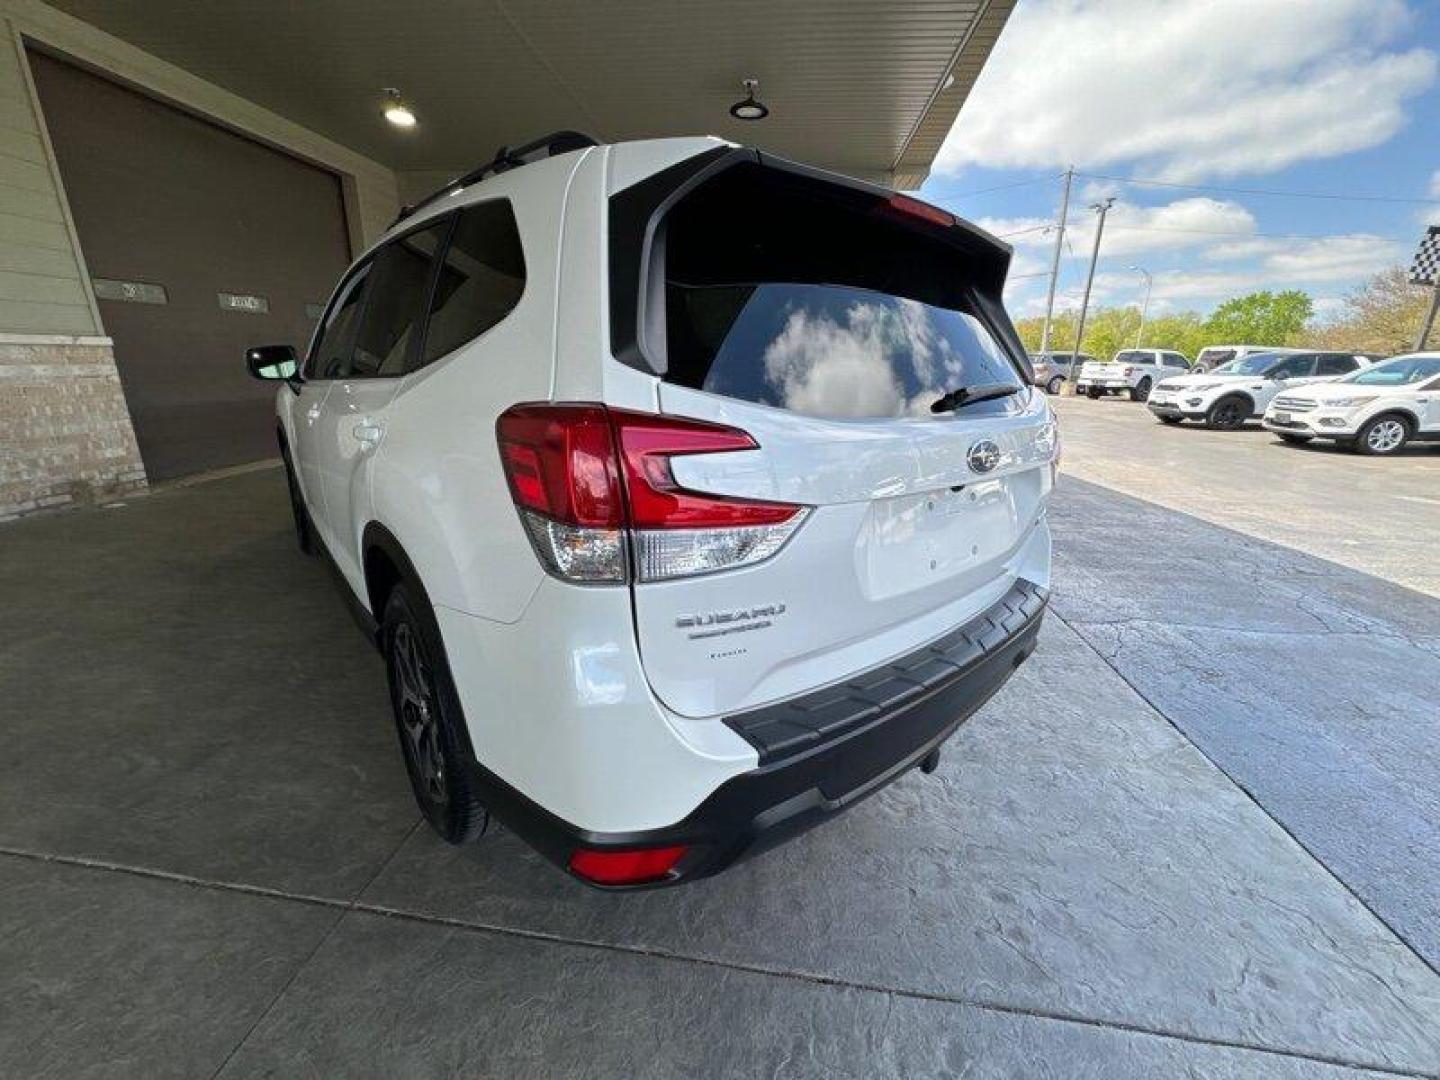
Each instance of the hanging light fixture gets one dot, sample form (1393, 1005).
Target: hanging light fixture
(396, 111)
(749, 109)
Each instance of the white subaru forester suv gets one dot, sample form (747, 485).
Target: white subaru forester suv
(691, 495)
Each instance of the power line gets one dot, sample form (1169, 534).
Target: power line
(1004, 187)
(1148, 182)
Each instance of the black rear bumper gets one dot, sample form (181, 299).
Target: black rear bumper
(820, 753)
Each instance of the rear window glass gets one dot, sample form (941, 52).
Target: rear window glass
(824, 350)
(1217, 356)
(804, 295)
(1134, 358)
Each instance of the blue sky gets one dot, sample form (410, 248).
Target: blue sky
(1323, 96)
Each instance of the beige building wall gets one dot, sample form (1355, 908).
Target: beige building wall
(65, 434)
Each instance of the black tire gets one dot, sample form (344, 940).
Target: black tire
(428, 718)
(1294, 440)
(1383, 435)
(1093, 394)
(1228, 413)
(1141, 391)
(1053, 386)
(304, 530)
(1168, 419)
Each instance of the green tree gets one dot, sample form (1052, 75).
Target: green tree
(1260, 318)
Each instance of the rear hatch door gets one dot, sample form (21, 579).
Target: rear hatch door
(826, 330)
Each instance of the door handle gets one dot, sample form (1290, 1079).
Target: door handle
(368, 434)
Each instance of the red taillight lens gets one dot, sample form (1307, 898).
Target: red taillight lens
(631, 866)
(921, 211)
(588, 479)
(1129, 372)
(560, 460)
(648, 442)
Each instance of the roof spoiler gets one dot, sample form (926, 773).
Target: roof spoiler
(506, 158)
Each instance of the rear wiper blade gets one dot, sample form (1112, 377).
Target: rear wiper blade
(969, 395)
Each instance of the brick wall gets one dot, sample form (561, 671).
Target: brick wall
(65, 433)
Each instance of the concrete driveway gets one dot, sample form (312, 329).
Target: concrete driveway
(210, 864)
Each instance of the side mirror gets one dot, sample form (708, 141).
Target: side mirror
(275, 362)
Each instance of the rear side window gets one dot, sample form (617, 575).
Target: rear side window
(1301, 366)
(481, 279)
(1336, 365)
(399, 283)
(787, 293)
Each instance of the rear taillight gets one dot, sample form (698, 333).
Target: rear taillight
(590, 481)
(1129, 371)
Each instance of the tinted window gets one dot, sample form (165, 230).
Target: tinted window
(1335, 365)
(1134, 356)
(331, 356)
(1216, 356)
(481, 278)
(399, 284)
(1293, 367)
(826, 350)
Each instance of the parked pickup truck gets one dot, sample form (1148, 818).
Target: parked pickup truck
(1133, 371)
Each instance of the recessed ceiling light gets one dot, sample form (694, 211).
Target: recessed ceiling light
(749, 109)
(396, 111)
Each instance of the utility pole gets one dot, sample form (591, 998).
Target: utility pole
(1102, 208)
(1055, 260)
(1144, 307)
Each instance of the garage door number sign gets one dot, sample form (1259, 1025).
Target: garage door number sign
(255, 305)
(133, 292)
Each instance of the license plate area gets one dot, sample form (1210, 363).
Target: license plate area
(916, 541)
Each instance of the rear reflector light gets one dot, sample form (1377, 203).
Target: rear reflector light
(590, 481)
(626, 867)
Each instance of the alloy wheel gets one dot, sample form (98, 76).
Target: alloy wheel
(1385, 437)
(419, 714)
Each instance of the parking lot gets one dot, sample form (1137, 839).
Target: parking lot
(1364, 513)
(1199, 833)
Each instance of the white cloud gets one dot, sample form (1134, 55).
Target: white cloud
(1131, 229)
(1190, 90)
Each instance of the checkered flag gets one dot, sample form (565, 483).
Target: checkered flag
(1426, 267)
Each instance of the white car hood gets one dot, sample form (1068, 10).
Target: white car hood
(1333, 391)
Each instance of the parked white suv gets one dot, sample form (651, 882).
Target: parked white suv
(691, 495)
(1377, 410)
(1227, 397)
(1132, 371)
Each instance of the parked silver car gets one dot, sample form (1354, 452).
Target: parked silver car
(1053, 368)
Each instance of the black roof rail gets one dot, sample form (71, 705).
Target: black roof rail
(506, 158)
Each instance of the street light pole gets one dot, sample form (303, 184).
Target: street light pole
(1102, 208)
(1145, 307)
(1055, 260)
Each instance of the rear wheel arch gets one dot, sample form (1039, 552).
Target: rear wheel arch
(385, 564)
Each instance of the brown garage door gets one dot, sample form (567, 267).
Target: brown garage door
(200, 242)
